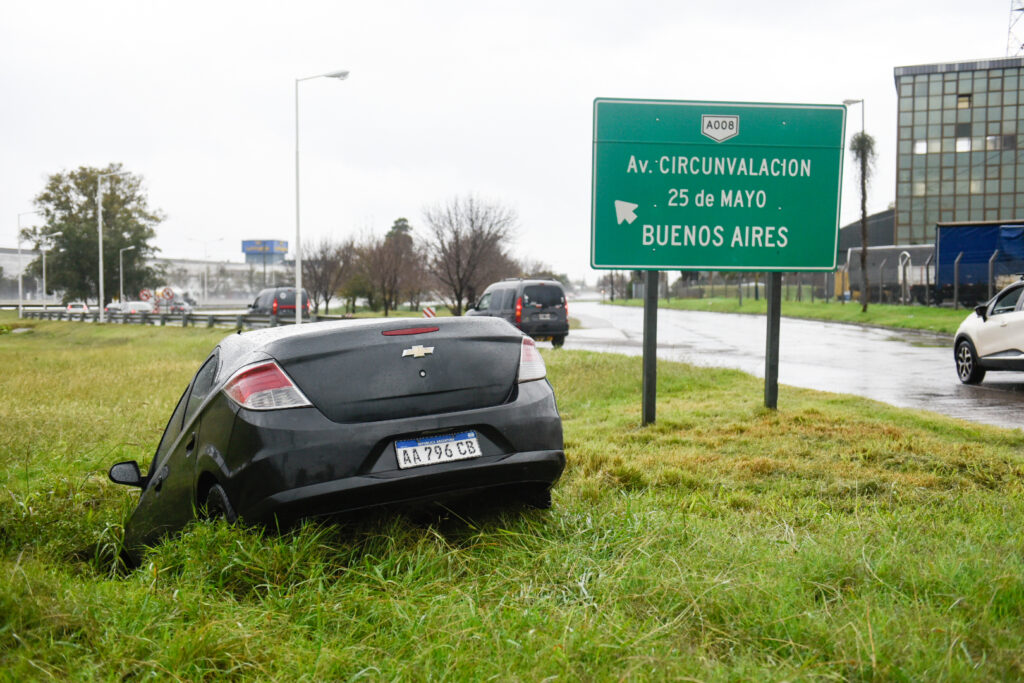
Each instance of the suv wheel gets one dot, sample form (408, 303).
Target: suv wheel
(967, 367)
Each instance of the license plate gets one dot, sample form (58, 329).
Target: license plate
(544, 316)
(432, 450)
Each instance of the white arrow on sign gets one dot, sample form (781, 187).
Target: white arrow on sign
(625, 211)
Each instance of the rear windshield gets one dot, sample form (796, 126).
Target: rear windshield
(543, 295)
(286, 297)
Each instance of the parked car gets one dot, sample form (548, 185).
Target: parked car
(112, 307)
(179, 307)
(537, 307)
(136, 307)
(992, 337)
(278, 301)
(291, 422)
(78, 307)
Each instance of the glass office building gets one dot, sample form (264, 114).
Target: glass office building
(959, 150)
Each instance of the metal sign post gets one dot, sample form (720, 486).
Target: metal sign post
(650, 381)
(773, 296)
(683, 185)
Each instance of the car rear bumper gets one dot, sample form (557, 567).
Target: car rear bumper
(545, 331)
(296, 462)
(450, 479)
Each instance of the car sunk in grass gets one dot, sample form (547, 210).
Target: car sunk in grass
(992, 337)
(291, 422)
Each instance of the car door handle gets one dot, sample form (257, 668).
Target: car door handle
(160, 476)
(191, 445)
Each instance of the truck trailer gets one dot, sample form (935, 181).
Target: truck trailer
(973, 260)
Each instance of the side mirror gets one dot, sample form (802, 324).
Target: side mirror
(127, 473)
(982, 311)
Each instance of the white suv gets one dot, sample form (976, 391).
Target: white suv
(992, 338)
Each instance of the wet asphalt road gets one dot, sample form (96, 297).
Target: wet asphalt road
(908, 369)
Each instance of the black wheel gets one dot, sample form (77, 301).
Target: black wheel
(967, 367)
(218, 506)
(558, 341)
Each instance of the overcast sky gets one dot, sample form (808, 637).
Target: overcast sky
(444, 99)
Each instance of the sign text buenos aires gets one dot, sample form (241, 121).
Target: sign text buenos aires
(716, 185)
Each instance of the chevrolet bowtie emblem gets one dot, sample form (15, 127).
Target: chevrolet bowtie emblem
(418, 351)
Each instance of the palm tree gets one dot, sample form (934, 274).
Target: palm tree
(863, 147)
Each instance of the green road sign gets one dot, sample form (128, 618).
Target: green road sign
(716, 185)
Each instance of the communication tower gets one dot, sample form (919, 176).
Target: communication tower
(1015, 33)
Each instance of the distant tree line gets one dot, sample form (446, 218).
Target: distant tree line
(464, 245)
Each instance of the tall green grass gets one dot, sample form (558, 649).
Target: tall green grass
(836, 539)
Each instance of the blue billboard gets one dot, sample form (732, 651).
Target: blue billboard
(264, 246)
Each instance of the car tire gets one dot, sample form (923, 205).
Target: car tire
(218, 506)
(557, 342)
(967, 367)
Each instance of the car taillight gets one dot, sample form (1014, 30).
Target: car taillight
(273, 308)
(519, 310)
(264, 387)
(566, 309)
(531, 365)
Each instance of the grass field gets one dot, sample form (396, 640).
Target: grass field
(929, 318)
(834, 539)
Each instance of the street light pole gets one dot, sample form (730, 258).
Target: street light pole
(861, 103)
(120, 270)
(99, 228)
(863, 213)
(206, 265)
(45, 294)
(21, 267)
(340, 75)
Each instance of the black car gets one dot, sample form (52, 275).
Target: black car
(537, 307)
(291, 422)
(278, 301)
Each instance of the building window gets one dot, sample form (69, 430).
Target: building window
(963, 101)
(920, 147)
(1009, 142)
(992, 142)
(963, 144)
(963, 130)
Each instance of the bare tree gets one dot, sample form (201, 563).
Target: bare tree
(325, 270)
(465, 247)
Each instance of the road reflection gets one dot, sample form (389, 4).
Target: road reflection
(907, 369)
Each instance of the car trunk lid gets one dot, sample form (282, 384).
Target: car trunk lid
(368, 374)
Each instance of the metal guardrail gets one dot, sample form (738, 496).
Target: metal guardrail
(220, 320)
